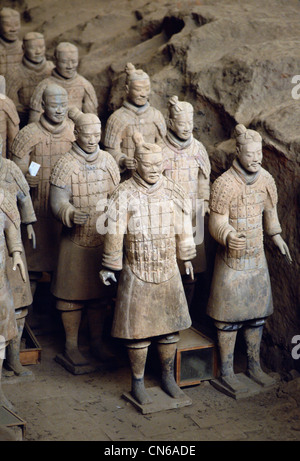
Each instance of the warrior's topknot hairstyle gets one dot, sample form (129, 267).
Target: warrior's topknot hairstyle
(80, 119)
(134, 74)
(142, 147)
(243, 135)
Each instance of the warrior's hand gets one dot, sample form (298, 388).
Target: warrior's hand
(17, 261)
(33, 181)
(79, 217)
(189, 270)
(31, 235)
(283, 248)
(236, 241)
(129, 163)
(106, 275)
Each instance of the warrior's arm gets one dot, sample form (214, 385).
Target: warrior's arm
(60, 204)
(219, 227)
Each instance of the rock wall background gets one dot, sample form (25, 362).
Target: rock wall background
(234, 60)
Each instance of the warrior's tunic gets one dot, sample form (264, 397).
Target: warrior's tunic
(241, 287)
(9, 123)
(81, 181)
(187, 163)
(149, 225)
(11, 54)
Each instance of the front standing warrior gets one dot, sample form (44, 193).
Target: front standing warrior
(148, 223)
(241, 292)
(187, 163)
(80, 182)
(9, 119)
(32, 70)
(81, 93)
(11, 50)
(43, 143)
(135, 115)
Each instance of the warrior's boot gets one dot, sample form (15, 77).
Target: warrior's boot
(13, 352)
(166, 352)
(253, 337)
(137, 354)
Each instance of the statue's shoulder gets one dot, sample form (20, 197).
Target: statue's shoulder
(202, 157)
(63, 169)
(9, 207)
(270, 185)
(111, 166)
(177, 194)
(8, 106)
(28, 137)
(222, 191)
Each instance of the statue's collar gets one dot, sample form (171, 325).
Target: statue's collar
(247, 177)
(178, 143)
(136, 109)
(87, 157)
(54, 129)
(33, 66)
(145, 186)
(60, 77)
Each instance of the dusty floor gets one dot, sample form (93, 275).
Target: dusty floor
(58, 406)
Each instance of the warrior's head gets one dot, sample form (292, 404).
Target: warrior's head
(34, 47)
(87, 130)
(66, 59)
(10, 24)
(137, 85)
(149, 159)
(248, 148)
(55, 103)
(180, 118)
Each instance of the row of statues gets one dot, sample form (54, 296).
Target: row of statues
(131, 212)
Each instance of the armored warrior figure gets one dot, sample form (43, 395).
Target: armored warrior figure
(13, 181)
(241, 292)
(11, 50)
(43, 143)
(81, 181)
(136, 114)
(9, 120)
(81, 93)
(149, 223)
(11, 244)
(187, 163)
(31, 71)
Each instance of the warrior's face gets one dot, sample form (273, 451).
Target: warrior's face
(250, 156)
(138, 91)
(88, 137)
(150, 167)
(182, 125)
(10, 27)
(55, 108)
(67, 63)
(34, 50)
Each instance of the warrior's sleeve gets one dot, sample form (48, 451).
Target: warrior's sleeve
(24, 201)
(113, 135)
(270, 216)
(204, 172)
(14, 84)
(23, 146)
(161, 126)
(12, 121)
(12, 225)
(90, 102)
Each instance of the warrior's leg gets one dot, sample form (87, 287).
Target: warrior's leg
(253, 334)
(71, 318)
(226, 340)
(137, 353)
(97, 312)
(3, 399)
(167, 346)
(13, 348)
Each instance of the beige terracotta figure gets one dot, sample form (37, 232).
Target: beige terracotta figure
(148, 224)
(39, 145)
(81, 180)
(136, 114)
(9, 119)
(31, 71)
(243, 203)
(11, 50)
(187, 163)
(80, 91)
(13, 181)
(11, 244)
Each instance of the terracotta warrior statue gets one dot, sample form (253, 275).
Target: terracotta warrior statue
(241, 293)
(81, 181)
(148, 224)
(136, 114)
(13, 181)
(11, 244)
(81, 92)
(187, 163)
(31, 71)
(35, 150)
(11, 50)
(9, 119)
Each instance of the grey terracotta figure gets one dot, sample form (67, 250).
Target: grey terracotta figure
(81, 180)
(9, 119)
(243, 204)
(31, 71)
(135, 114)
(11, 50)
(13, 181)
(39, 145)
(81, 92)
(11, 244)
(187, 163)
(148, 225)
